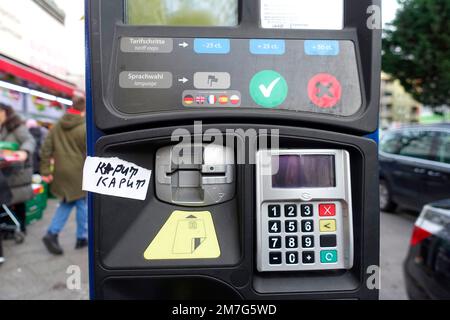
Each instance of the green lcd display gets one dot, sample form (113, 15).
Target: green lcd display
(219, 13)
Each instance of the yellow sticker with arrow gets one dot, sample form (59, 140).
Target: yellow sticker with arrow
(185, 235)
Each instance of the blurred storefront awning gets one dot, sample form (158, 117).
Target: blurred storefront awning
(35, 76)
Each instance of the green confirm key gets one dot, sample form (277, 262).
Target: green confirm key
(268, 88)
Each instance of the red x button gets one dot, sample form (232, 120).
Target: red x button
(327, 210)
(324, 90)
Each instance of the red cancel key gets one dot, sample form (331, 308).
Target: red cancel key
(327, 210)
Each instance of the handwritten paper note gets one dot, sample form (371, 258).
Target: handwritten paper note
(115, 177)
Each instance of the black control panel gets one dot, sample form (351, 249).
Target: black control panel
(319, 76)
(145, 74)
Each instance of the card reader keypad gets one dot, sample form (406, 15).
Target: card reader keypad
(303, 235)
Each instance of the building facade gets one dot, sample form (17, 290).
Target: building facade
(34, 59)
(397, 106)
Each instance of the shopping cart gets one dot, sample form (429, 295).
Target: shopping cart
(9, 224)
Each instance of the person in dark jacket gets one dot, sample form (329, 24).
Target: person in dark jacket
(19, 175)
(66, 146)
(39, 134)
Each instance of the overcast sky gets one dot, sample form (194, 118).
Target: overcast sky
(389, 9)
(74, 10)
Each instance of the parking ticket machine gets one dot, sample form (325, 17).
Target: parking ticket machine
(253, 118)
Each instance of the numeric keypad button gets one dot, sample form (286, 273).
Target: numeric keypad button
(306, 210)
(275, 226)
(307, 225)
(274, 211)
(291, 257)
(274, 242)
(290, 210)
(307, 242)
(292, 242)
(290, 226)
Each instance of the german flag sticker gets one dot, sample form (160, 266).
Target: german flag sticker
(188, 100)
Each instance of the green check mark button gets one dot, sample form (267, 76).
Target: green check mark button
(268, 88)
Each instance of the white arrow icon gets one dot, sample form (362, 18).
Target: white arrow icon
(183, 44)
(184, 80)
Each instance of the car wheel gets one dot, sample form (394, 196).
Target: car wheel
(386, 203)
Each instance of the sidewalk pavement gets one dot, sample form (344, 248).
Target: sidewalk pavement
(30, 272)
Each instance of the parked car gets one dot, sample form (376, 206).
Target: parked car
(414, 166)
(427, 266)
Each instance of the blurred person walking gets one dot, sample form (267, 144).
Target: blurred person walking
(19, 175)
(39, 134)
(66, 146)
